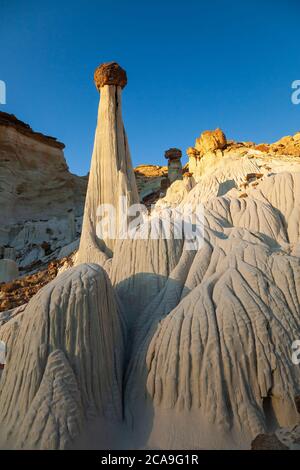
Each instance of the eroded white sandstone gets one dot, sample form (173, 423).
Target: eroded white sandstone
(188, 348)
(63, 366)
(111, 175)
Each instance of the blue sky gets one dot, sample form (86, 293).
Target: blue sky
(192, 65)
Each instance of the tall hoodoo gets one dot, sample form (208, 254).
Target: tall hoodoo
(173, 155)
(111, 174)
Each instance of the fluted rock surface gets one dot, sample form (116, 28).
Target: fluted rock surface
(211, 328)
(111, 175)
(208, 361)
(187, 347)
(212, 350)
(64, 362)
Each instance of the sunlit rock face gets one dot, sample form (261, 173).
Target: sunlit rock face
(210, 141)
(35, 182)
(172, 346)
(151, 182)
(111, 175)
(41, 201)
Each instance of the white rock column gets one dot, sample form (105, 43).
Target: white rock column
(111, 173)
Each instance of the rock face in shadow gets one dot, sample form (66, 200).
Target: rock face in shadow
(63, 366)
(268, 442)
(8, 270)
(232, 342)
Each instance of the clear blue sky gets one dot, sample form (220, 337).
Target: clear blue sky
(191, 64)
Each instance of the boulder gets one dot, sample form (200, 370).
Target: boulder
(209, 141)
(267, 442)
(110, 73)
(173, 154)
(289, 145)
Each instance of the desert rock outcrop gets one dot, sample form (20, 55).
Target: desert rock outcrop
(173, 155)
(187, 346)
(41, 201)
(33, 173)
(19, 291)
(236, 303)
(111, 175)
(209, 141)
(64, 343)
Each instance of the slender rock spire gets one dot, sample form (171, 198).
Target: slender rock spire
(111, 174)
(173, 155)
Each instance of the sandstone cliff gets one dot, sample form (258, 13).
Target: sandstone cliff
(35, 183)
(41, 202)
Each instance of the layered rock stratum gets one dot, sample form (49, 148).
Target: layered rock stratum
(41, 201)
(147, 342)
(35, 181)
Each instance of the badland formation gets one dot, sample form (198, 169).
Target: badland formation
(140, 342)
